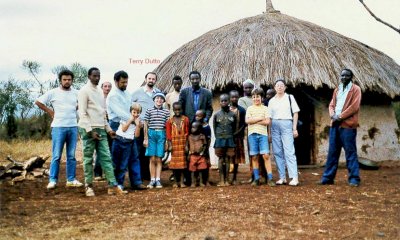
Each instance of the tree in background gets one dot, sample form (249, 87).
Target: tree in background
(18, 115)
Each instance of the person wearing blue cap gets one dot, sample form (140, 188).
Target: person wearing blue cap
(155, 119)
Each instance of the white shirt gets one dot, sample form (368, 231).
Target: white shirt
(129, 133)
(341, 97)
(279, 108)
(64, 104)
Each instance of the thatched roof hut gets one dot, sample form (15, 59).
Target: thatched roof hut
(272, 45)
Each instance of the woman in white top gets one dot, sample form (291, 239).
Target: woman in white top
(284, 116)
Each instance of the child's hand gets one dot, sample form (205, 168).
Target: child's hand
(166, 145)
(145, 143)
(137, 122)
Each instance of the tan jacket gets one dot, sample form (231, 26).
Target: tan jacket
(351, 107)
(91, 109)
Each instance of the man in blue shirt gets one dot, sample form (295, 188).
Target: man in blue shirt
(119, 102)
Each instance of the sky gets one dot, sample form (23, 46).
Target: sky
(136, 36)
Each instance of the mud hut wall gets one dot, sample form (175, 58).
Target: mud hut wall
(377, 136)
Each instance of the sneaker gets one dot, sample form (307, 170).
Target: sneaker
(271, 183)
(151, 184)
(354, 184)
(117, 190)
(51, 185)
(98, 178)
(74, 183)
(294, 182)
(89, 192)
(158, 184)
(281, 181)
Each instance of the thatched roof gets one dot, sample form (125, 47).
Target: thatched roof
(273, 45)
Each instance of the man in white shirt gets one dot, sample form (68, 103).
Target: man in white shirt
(64, 127)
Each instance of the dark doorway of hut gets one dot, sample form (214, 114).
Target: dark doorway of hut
(305, 141)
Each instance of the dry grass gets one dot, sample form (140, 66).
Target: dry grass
(22, 150)
(274, 45)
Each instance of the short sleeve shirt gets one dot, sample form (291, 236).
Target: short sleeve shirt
(64, 104)
(257, 111)
(129, 133)
(280, 107)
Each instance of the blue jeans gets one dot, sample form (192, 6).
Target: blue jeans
(59, 137)
(338, 138)
(126, 157)
(283, 147)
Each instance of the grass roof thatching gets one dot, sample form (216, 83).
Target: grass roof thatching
(273, 45)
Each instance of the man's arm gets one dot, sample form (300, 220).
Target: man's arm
(332, 104)
(115, 106)
(182, 100)
(45, 108)
(84, 120)
(209, 109)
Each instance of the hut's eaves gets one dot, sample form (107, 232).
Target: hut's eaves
(273, 45)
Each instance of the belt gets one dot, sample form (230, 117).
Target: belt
(157, 129)
(122, 139)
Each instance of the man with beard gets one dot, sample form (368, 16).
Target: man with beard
(144, 96)
(118, 105)
(64, 128)
(93, 128)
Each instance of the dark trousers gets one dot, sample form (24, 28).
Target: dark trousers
(125, 157)
(338, 138)
(144, 161)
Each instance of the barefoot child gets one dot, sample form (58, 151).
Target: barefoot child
(196, 146)
(224, 124)
(154, 137)
(257, 118)
(177, 133)
(124, 151)
(238, 136)
(200, 117)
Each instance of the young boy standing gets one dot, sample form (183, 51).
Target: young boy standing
(177, 134)
(124, 150)
(224, 124)
(258, 119)
(238, 136)
(196, 147)
(155, 136)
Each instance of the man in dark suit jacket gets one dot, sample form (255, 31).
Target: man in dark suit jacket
(195, 98)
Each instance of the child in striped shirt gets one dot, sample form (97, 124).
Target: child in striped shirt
(155, 137)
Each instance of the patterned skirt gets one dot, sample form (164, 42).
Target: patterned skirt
(178, 156)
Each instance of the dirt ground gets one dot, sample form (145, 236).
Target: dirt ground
(309, 211)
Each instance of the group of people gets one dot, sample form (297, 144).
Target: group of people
(131, 132)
